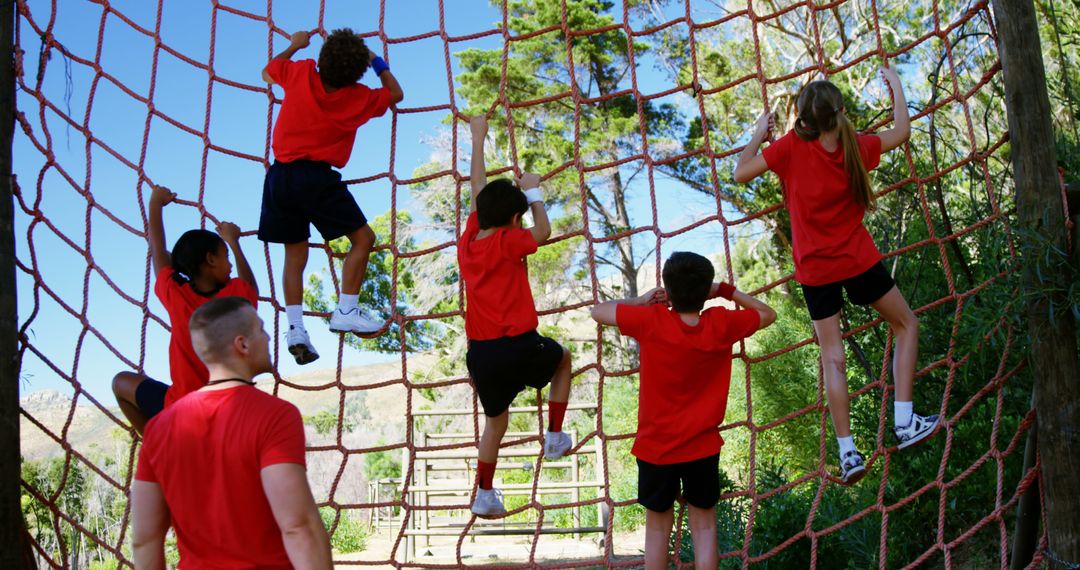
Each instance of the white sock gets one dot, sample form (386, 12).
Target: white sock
(901, 413)
(846, 444)
(295, 314)
(347, 302)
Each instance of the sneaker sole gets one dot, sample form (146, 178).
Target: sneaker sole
(302, 354)
(925, 436)
(357, 333)
(489, 516)
(854, 477)
(553, 457)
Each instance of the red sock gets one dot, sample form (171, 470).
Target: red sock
(556, 411)
(486, 471)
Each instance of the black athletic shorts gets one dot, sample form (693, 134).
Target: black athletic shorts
(503, 367)
(658, 485)
(304, 192)
(825, 301)
(150, 396)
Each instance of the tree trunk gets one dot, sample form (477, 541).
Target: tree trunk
(1053, 356)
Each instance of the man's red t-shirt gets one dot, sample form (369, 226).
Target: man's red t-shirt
(828, 238)
(186, 369)
(314, 124)
(499, 300)
(685, 376)
(207, 452)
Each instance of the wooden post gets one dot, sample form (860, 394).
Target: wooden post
(13, 538)
(1053, 355)
(1028, 511)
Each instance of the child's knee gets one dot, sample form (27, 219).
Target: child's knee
(124, 384)
(363, 238)
(833, 358)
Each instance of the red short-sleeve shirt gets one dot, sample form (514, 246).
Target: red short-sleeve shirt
(499, 299)
(828, 238)
(314, 124)
(186, 369)
(685, 376)
(207, 452)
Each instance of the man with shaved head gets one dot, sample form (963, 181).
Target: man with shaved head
(224, 465)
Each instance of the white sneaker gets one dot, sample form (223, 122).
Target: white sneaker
(488, 504)
(852, 468)
(356, 321)
(920, 428)
(300, 346)
(556, 444)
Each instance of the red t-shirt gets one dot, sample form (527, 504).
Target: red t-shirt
(828, 238)
(187, 370)
(499, 300)
(314, 124)
(685, 376)
(207, 453)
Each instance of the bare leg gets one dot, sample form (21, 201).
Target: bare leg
(703, 531)
(657, 535)
(832, 369)
(905, 326)
(494, 429)
(560, 383)
(356, 261)
(124, 386)
(292, 279)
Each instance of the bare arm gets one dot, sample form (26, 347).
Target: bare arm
(149, 523)
(751, 164)
(901, 130)
(604, 313)
(297, 42)
(231, 234)
(765, 312)
(160, 197)
(541, 228)
(477, 170)
(391, 84)
(287, 491)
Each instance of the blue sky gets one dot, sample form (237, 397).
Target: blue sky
(232, 188)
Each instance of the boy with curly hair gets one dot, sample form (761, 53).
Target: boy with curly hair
(316, 127)
(685, 375)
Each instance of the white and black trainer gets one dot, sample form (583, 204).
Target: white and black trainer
(852, 467)
(920, 428)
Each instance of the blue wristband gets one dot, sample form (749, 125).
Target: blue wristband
(378, 65)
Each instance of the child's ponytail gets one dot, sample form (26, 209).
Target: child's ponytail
(861, 190)
(821, 109)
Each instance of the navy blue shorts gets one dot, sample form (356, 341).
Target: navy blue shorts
(658, 485)
(503, 367)
(304, 192)
(824, 301)
(150, 396)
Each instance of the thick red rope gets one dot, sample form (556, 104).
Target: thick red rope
(39, 114)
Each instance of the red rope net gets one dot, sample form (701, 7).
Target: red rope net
(954, 33)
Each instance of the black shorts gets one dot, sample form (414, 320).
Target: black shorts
(824, 301)
(503, 367)
(150, 396)
(303, 192)
(658, 485)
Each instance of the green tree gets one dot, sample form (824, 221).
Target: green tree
(387, 284)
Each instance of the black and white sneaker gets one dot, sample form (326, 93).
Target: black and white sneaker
(852, 468)
(920, 428)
